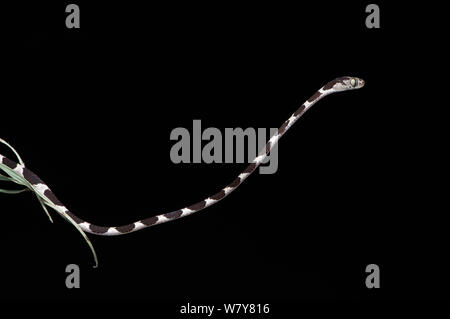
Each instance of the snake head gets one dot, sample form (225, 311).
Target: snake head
(345, 83)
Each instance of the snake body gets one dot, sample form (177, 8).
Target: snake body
(33, 182)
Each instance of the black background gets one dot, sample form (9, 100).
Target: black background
(362, 177)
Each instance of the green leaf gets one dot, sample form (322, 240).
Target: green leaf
(11, 191)
(14, 151)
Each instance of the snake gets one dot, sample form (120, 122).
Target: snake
(18, 173)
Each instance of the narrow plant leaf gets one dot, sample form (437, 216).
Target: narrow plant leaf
(13, 191)
(44, 207)
(14, 151)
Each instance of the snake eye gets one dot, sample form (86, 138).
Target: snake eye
(353, 82)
